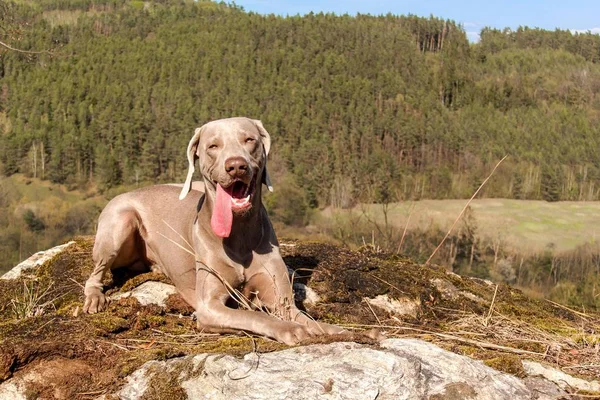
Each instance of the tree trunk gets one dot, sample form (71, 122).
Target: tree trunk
(34, 159)
(472, 254)
(43, 159)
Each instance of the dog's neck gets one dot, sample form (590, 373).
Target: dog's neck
(247, 230)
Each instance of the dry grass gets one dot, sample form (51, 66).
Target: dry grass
(34, 300)
(574, 349)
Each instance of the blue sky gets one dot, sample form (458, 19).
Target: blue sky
(579, 15)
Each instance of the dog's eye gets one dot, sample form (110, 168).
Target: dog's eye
(250, 140)
(212, 147)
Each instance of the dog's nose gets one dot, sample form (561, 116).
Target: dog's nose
(236, 166)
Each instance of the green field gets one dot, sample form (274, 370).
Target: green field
(524, 225)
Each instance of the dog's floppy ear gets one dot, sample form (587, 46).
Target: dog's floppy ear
(192, 155)
(266, 142)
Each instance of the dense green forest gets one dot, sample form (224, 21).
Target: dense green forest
(361, 108)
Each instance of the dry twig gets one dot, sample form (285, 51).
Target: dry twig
(405, 228)
(463, 211)
(491, 310)
(373, 311)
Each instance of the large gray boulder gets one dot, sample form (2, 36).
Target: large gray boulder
(399, 369)
(36, 260)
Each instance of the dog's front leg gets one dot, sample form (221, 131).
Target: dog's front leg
(213, 315)
(270, 283)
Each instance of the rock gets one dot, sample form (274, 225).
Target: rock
(563, 380)
(306, 295)
(400, 306)
(401, 369)
(35, 261)
(449, 291)
(150, 292)
(13, 390)
(544, 389)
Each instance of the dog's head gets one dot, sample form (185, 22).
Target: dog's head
(232, 155)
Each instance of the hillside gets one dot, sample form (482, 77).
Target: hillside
(36, 215)
(549, 249)
(42, 330)
(361, 108)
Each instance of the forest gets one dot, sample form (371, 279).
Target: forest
(100, 95)
(401, 105)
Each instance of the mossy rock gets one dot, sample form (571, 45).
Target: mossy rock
(105, 323)
(127, 334)
(508, 363)
(343, 278)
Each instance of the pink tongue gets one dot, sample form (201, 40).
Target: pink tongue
(222, 217)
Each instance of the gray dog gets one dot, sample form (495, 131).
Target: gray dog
(209, 243)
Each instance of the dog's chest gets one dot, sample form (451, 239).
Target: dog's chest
(234, 273)
(234, 265)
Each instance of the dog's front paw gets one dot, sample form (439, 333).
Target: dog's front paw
(95, 301)
(320, 328)
(293, 334)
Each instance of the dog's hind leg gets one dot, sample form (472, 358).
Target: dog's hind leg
(115, 246)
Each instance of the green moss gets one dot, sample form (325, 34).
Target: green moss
(127, 369)
(67, 309)
(550, 324)
(238, 345)
(588, 340)
(341, 277)
(32, 393)
(105, 323)
(166, 353)
(60, 274)
(332, 318)
(234, 343)
(587, 394)
(148, 321)
(508, 363)
(67, 271)
(136, 281)
(135, 359)
(167, 386)
(155, 321)
(179, 327)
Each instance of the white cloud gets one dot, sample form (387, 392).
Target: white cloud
(595, 31)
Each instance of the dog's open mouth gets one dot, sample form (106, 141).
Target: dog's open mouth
(240, 195)
(236, 198)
